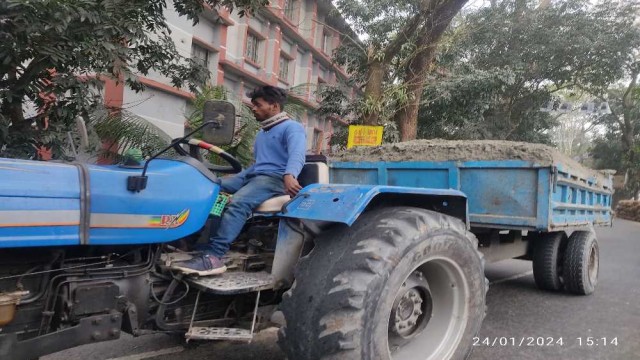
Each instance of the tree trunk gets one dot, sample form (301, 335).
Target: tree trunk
(373, 91)
(407, 116)
(12, 108)
(628, 103)
(418, 68)
(379, 60)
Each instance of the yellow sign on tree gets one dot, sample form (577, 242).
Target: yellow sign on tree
(361, 135)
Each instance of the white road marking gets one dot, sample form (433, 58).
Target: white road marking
(149, 354)
(512, 277)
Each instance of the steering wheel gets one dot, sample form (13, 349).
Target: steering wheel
(195, 144)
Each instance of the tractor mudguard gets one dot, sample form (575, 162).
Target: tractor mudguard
(344, 203)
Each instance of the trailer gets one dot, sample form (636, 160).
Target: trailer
(540, 211)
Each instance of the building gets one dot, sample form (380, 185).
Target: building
(287, 44)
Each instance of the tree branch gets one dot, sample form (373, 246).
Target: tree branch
(406, 32)
(615, 116)
(33, 69)
(356, 43)
(634, 80)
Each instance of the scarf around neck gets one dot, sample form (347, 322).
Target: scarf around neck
(274, 120)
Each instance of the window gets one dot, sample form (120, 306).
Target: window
(327, 43)
(289, 9)
(253, 48)
(283, 73)
(322, 86)
(318, 141)
(200, 55)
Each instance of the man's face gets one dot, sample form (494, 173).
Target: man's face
(262, 110)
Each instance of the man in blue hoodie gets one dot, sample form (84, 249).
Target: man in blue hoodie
(279, 153)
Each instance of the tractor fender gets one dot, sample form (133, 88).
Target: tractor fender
(344, 203)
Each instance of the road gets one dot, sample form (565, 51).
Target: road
(522, 322)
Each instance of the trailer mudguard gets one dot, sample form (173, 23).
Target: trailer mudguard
(343, 203)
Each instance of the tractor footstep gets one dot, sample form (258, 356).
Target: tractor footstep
(216, 333)
(233, 282)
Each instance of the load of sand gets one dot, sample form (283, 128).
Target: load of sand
(628, 209)
(467, 150)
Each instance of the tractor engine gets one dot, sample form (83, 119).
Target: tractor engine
(58, 287)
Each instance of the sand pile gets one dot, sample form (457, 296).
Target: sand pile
(444, 150)
(628, 209)
(447, 150)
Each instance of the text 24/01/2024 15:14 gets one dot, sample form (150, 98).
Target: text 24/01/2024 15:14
(543, 341)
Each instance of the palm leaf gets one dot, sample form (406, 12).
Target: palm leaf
(124, 130)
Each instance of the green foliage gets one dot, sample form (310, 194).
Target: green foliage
(619, 147)
(124, 130)
(394, 55)
(483, 105)
(53, 54)
(502, 63)
(336, 103)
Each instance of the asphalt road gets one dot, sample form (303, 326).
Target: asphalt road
(522, 322)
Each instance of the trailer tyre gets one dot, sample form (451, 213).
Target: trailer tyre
(581, 263)
(401, 283)
(547, 261)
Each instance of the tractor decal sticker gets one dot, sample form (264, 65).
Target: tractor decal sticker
(306, 204)
(170, 221)
(31, 218)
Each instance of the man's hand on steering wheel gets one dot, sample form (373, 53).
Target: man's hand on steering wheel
(234, 165)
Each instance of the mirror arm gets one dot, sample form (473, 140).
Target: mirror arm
(139, 183)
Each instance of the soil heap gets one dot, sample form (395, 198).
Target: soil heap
(628, 209)
(467, 150)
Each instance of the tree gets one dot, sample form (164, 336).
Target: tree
(619, 146)
(55, 54)
(501, 64)
(573, 134)
(394, 60)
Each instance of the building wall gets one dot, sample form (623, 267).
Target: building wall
(299, 37)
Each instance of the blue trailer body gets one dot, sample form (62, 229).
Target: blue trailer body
(508, 194)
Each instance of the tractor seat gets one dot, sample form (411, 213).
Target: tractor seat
(312, 173)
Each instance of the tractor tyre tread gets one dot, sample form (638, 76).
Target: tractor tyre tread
(547, 259)
(576, 263)
(327, 302)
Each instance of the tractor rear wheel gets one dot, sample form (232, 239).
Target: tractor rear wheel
(402, 283)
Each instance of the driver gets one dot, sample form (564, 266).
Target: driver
(279, 154)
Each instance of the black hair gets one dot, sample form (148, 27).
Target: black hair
(270, 94)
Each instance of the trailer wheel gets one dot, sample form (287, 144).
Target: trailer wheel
(581, 263)
(547, 260)
(401, 283)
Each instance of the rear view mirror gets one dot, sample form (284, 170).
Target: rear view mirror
(222, 118)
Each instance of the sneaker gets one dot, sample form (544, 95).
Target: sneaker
(202, 265)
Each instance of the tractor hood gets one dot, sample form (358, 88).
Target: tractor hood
(47, 204)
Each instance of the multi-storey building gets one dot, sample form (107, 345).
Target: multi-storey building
(287, 44)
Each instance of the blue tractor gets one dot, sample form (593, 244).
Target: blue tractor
(360, 270)
(86, 249)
